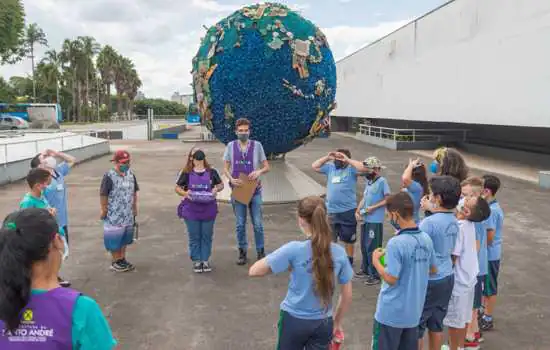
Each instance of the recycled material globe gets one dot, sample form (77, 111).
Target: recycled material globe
(268, 64)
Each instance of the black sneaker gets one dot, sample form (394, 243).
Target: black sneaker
(242, 257)
(63, 283)
(197, 267)
(206, 266)
(485, 324)
(360, 275)
(127, 263)
(119, 266)
(261, 254)
(372, 281)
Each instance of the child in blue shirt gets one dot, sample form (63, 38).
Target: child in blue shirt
(415, 182)
(306, 318)
(408, 258)
(442, 227)
(491, 185)
(371, 211)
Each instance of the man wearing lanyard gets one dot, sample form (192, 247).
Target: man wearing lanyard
(56, 192)
(247, 157)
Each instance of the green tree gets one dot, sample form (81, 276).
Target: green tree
(107, 61)
(160, 107)
(34, 35)
(7, 92)
(53, 59)
(12, 29)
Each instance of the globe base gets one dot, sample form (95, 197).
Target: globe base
(283, 184)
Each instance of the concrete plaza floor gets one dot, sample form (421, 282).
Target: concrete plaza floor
(164, 306)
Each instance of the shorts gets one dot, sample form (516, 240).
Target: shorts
(460, 309)
(299, 334)
(116, 237)
(390, 338)
(438, 296)
(344, 226)
(491, 279)
(479, 291)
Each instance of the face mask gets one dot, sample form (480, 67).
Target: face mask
(370, 176)
(50, 162)
(124, 168)
(199, 155)
(65, 253)
(434, 167)
(243, 136)
(395, 225)
(339, 164)
(460, 205)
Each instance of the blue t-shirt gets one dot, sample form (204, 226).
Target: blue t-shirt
(443, 230)
(416, 192)
(481, 236)
(301, 301)
(409, 256)
(341, 188)
(375, 192)
(494, 222)
(56, 193)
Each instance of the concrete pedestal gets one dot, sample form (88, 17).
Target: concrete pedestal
(544, 179)
(285, 183)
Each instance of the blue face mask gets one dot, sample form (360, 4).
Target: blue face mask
(395, 224)
(434, 167)
(124, 168)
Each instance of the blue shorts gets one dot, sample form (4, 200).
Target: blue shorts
(390, 338)
(116, 237)
(490, 287)
(436, 305)
(299, 334)
(344, 226)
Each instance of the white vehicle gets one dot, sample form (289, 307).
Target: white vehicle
(8, 122)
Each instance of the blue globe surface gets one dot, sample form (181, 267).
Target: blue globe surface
(270, 65)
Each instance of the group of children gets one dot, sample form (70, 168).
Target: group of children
(438, 271)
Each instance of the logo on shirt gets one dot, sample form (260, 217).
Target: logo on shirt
(28, 316)
(420, 254)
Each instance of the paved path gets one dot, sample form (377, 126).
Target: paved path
(164, 306)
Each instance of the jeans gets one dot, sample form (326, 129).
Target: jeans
(371, 239)
(240, 210)
(200, 239)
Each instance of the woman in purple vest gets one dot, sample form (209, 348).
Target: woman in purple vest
(198, 184)
(35, 312)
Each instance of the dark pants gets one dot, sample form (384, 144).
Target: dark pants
(479, 292)
(490, 287)
(300, 334)
(66, 229)
(390, 338)
(436, 305)
(371, 239)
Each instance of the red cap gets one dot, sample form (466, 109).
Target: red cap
(121, 156)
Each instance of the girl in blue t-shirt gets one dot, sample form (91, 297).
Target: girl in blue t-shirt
(415, 182)
(316, 266)
(31, 251)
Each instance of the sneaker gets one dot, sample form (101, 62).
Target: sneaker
(242, 260)
(485, 324)
(261, 254)
(119, 266)
(372, 281)
(197, 267)
(63, 283)
(479, 337)
(127, 263)
(471, 344)
(206, 266)
(360, 275)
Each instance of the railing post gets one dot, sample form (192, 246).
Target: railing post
(5, 156)
(62, 143)
(464, 132)
(394, 135)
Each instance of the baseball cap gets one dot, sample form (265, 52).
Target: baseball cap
(121, 156)
(373, 162)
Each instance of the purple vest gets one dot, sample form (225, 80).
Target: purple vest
(198, 209)
(243, 162)
(46, 323)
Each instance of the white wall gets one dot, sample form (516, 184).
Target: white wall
(471, 61)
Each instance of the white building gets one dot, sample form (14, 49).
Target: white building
(185, 99)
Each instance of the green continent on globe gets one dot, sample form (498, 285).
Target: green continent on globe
(268, 64)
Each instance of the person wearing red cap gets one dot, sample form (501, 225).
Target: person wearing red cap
(118, 193)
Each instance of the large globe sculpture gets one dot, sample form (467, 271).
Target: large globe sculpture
(270, 65)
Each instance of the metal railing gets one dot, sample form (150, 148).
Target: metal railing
(413, 135)
(14, 151)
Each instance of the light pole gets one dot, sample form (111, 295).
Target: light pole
(98, 103)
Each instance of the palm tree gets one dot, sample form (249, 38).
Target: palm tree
(34, 35)
(107, 61)
(90, 48)
(71, 56)
(53, 59)
(133, 83)
(122, 72)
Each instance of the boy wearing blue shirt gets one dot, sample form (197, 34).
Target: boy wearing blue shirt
(491, 185)
(341, 199)
(408, 258)
(371, 211)
(442, 227)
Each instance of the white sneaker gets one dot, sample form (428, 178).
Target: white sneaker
(206, 266)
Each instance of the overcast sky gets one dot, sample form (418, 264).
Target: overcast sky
(162, 36)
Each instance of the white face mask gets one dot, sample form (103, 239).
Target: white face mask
(460, 205)
(65, 252)
(50, 162)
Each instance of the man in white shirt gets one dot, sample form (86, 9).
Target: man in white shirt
(466, 268)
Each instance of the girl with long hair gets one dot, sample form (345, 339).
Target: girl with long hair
(448, 161)
(35, 312)
(415, 182)
(197, 184)
(316, 265)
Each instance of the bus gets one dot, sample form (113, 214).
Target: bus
(32, 112)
